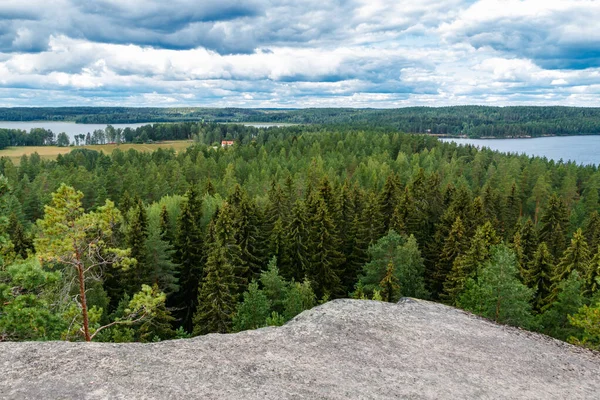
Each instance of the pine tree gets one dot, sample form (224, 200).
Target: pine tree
(218, 293)
(538, 276)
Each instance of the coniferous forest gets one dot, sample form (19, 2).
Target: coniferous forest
(146, 247)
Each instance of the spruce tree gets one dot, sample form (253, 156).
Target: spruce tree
(189, 254)
(512, 211)
(325, 259)
(390, 285)
(575, 258)
(593, 278)
(466, 265)
(554, 226)
(295, 266)
(528, 240)
(554, 320)
(538, 276)
(22, 243)
(136, 241)
(388, 200)
(218, 293)
(165, 225)
(592, 230)
(246, 223)
(455, 245)
(161, 270)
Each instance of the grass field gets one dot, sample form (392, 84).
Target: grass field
(50, 152)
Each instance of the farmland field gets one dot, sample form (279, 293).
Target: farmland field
(50, 152)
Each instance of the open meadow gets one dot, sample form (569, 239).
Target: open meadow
(51, 152)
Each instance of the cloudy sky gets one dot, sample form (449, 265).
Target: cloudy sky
(299, 53)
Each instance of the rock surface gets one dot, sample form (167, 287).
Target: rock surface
(343, 349)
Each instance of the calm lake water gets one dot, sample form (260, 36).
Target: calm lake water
(69, 128)
(580, 149)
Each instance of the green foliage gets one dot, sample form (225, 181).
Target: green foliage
(253, 311)
(400, 258)
(555, 321)
(300, 297)
(465, 266)
(497, 293)
(217, 295)
(539, 275)
(26, 311)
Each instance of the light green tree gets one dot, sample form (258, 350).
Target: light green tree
(81, 244)
(497, 293)
(404, 257)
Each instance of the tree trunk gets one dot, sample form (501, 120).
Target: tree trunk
(84, 310)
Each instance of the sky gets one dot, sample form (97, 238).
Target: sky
(300, 53)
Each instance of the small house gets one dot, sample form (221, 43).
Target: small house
(226, 143)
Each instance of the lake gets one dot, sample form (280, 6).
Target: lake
(70, 128)
(580, 149)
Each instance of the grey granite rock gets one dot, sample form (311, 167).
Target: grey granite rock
(345, 349)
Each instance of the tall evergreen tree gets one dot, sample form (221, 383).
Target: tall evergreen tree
(295, 266)
(325, 259)
(136, 241)
(455, 245)
(539, 274)
(218, 293)
(592, 230)
(189, 254)
(388, 200)
(554, 226)
(466, 265)
(246, 222)
(576, 258)
(165, 225)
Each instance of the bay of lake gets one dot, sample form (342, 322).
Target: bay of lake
(70, 128)
(580, 149)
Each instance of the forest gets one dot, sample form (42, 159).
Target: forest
(153, 246)
(470, 121)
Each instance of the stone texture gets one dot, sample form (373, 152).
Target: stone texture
(343, 349)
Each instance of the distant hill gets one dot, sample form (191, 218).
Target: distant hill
(341, 350)
(472, 121)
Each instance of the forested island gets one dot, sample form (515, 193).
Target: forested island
(469, 121)
(153, 246)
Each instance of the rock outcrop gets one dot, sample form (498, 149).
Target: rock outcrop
(345, 349)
